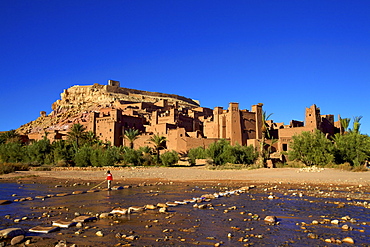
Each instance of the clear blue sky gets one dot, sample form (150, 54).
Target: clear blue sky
(286, 54)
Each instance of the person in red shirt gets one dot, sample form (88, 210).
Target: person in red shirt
(109, 180)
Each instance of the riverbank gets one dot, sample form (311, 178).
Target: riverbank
(198, 174)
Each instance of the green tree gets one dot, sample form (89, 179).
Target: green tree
(159, 143)
(76, 134)
(196, 153)
(82, 157)
(169, 158)
(62, 152)
(216, 151)
(12, 152)
(111, 156)
(311, 148)
(353, 148)
(40, 152)
(91, 139)
(345, 124)
(132, 156)
(131, 135)
(9, 136)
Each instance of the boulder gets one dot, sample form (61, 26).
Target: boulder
(17, 240)
(348, 240)
(11, 232)
(270, 219)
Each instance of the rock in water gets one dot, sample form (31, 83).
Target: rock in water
(348, 240)
(3, 202)
(270, 219)
(11, 232)
(17, 240)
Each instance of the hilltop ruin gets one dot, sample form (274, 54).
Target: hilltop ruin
(109, 110)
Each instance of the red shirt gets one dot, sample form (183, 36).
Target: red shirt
(109, 176)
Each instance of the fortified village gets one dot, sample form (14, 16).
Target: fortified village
(109, 110)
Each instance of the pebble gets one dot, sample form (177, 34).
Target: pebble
(99, 234)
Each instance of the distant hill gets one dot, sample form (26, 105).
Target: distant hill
(77, 102)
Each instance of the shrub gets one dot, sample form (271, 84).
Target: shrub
(169, 158)
(311, 149)
(12, 167)
(132, 156)
(196, 153)
(82, 157)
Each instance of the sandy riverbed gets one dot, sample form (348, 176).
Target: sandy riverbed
(201, 174)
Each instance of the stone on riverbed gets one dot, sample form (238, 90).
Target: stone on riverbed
(119, 211)
(63, 223)
(62, 194)
(44, 229)
(348, 240)
(92, 191)
(78, 192)
(11, 232)
(105, 215)
(117, 188)
(17, 240)
(270, 219)
(150, 206)
(84, 218)
(3, 202)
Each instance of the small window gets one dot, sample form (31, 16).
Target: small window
(285, 147)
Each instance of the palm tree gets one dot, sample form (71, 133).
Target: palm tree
(356, 124)
(131, 135)
(9, 136)
(344, 122)
(76, 134)
(159, 143)
(91, 138)
(265, 133)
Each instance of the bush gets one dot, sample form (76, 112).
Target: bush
(169, 158)
(311, 149)
(132, 156)
(196, 153)
(352, 147)
(82, 157)
(12, 167)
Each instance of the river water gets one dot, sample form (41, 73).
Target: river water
(233, 220)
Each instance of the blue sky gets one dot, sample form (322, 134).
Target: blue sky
(286, 54)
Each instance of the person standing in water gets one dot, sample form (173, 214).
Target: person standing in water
(109, 180)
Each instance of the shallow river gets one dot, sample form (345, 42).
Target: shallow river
(233, 220)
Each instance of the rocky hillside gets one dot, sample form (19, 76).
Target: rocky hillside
(77, 102)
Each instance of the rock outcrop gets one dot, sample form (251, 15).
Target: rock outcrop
(78, 102)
